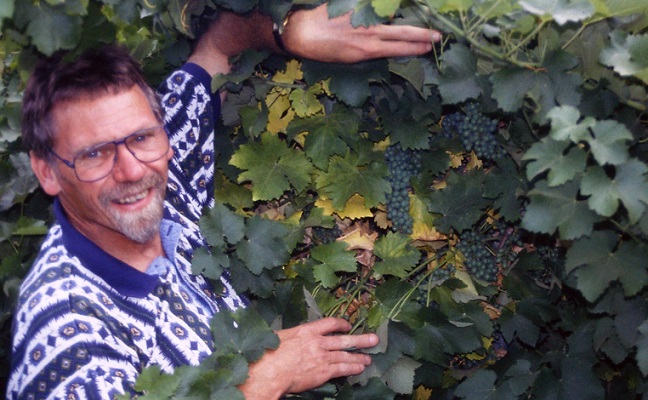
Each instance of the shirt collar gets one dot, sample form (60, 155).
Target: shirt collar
(120, 276)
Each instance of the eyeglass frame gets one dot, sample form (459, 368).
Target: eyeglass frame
(72, 164)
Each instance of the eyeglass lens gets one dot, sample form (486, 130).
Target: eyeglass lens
(96, 162)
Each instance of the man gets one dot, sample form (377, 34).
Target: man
(111, 291)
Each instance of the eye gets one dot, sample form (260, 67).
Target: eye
(96, 153)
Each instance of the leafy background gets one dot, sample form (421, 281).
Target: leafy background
(504, 258)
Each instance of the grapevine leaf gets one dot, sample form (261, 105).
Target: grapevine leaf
(349, 82)
(558, 208)
(6, 10)
(479, 386)
(627, 55)
(546, 88)
(272, 167)
(397, 255)
(400, 376)
(326, 134)
(617, 8)
(519, 325)
(238, 6)
(596, 265)
(242, 332)
(438, 336)
(263, 246)
(385, 8)
(333, 257)
(363, 12)
(628, 186)
(458, 82)
(405, 130)
(156, 384)
(423, 227)
(609, 143)
(562, 11)
(347, 176)
(461, 203)
(578, 380)
(503, 185)
(245, 281)
(220, 225)
(208, 264)
(374, 389)
(549, 155)
(642, 348)
(50, 27)
(417, 71)
(305, 102)
(565, 126)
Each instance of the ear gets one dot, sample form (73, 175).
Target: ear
(46, 175)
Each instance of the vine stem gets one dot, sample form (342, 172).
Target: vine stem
(527, 39)
(476, 44)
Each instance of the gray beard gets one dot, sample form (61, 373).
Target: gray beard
(142, 226)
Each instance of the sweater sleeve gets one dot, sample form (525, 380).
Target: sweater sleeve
(190, 114)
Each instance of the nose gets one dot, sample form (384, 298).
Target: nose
(127, 168)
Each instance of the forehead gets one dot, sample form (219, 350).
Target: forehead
(86, 121)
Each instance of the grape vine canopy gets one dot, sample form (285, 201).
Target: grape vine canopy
(483, 208)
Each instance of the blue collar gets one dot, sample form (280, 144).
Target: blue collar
(125, 279)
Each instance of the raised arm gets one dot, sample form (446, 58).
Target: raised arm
(309, 34)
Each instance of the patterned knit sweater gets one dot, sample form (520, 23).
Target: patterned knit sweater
(87, 324)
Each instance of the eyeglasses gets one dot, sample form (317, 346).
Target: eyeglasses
(96, 162)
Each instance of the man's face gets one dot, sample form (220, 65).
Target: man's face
(129, 201)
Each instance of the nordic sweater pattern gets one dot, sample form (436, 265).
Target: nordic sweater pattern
(87, 324)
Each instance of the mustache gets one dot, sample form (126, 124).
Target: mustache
(128, 189)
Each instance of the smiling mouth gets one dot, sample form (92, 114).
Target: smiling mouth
(132, 199)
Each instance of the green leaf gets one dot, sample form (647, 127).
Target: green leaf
(400, 376)
(238, 6)
(6, 10)
(51, 28)
(565, 126)
(403, 129)
(627, 55)
(333, 257)
(461, 203)
(272, 167)
(385, 8)
(609, 143)
(442, 337)
(562, 11)
(458, 80)
(479, 386)
(549, 155)
(349, 82)
(397, 255)
(327, 134)
(242, 332)
(642, 348)
(558, 208)
(350, 175)
(596, 265)
(263, 246)
(208, 264)
(629, 186)
(220, 226)
(156, 384)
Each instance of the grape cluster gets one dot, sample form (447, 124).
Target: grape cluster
(402, 165)
(443, 273)
(480, 261)
(322, 235)
(476, 132)
(552, 259)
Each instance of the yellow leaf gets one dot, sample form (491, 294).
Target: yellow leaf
(423, 228)
(280, 112)
(354, 209)
(380, 218)
(358, 239)
(292, 73)
(305, 102)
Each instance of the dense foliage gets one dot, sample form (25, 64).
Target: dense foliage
(482, 208)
